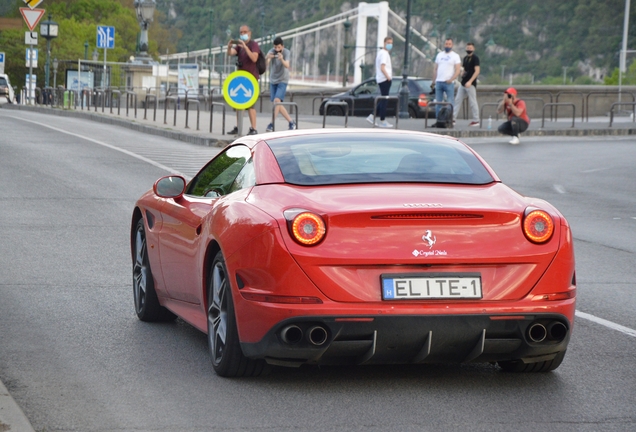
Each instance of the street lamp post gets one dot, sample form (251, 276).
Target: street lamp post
(448, 24)
(210, 53)
(347, 26)
(85, 50)
(145, 10)
(404, 90)
(48, 30)
(55, 64)
(470, 13)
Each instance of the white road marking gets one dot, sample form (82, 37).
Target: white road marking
(559, 188)
(112, 147)
(594, 170)
(606, 323)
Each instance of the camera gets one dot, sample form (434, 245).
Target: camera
(235, 41)
(239, 63)
(509, 95)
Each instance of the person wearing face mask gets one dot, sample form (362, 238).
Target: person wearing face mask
(468, 87)
(383, 76)
(278, 65)
(515, 110)
(246, 51)
(445, 72)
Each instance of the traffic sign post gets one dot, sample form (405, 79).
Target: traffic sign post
(240, 91)
(1, 62)
(105, 40)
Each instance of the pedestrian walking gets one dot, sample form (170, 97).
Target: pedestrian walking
(246, 50)
(278, 62)
(383, 76)
(468, 87)
(515, 109)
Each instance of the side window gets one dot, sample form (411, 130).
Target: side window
(217, 177)
(245, 179)
(367, 88)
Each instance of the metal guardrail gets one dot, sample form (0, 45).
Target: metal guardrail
(153, 98)
(222, 105)
(632, 104)
(112, 97)
(165, 109)
(605, 93)
(430, 104)
(557, 105)
(289, 104)
(313, 103)
(387, 99)
(131, 96)
(187, 107)
(336, 103)
(568, 92)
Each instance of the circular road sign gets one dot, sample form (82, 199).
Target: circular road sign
(240, 90)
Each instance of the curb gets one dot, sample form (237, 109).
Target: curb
(11, 416)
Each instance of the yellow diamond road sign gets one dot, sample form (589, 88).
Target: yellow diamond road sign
(32, 3)
(240, 90)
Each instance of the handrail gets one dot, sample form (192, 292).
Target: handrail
(632, 104)
(387, 98)
(187, 107)
(430, 104)
(112, 94)
(481, 112)
(313, 101)
(555, 117)
(289, 104)
(336, 103)
(212, 105)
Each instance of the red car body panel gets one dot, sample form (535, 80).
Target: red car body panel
(372, 230)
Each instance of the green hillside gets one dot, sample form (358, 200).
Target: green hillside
(536, 41)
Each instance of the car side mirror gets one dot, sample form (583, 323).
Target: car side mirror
(169, 187)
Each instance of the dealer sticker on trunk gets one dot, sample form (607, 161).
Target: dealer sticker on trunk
(431, 286)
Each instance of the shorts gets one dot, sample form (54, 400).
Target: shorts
(278, 91)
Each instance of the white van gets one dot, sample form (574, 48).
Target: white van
(6, 91)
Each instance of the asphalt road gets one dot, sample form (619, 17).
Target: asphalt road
(75, 357)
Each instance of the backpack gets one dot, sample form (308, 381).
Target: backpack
(261, 64)
(444, 118)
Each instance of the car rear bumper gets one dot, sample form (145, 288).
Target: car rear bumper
(412, 339)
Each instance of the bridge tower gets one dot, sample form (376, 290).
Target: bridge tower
(365, 10)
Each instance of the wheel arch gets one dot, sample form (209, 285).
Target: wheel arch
(136, 216)
(212, 249)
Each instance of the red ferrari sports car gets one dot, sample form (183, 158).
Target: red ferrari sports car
(355, 247)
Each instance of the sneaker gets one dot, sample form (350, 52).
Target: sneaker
(514, 140)
(473, 123)
(233, 131)
(385, 124)
(371, 119)
(270, 128)
(252, 131)
(292, 125)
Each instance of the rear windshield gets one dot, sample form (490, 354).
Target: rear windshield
(3, 82)
(376, 158)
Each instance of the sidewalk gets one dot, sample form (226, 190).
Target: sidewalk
(175, 126)
(11, 416)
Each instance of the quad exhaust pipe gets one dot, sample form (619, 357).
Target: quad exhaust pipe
(315, 335)
(537, 332)
(557, 331)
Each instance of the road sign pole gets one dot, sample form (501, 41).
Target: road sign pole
(30, 84)
(104, 71)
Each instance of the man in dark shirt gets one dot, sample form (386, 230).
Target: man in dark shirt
(247, 52)
(471, 70)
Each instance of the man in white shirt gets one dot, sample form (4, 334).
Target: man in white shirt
(446, 70)
(383, 76)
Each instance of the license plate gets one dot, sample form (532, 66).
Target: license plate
(431, 286)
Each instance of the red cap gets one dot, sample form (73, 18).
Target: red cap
(511, 91)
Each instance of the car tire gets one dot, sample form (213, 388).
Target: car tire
(335, 111)
(227, 357)
(412, 113)
(147, 304)
(519, 366)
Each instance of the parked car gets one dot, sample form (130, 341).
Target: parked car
(355, 246)
(363, 97)
(6, 91)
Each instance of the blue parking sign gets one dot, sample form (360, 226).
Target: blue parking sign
(105, 37)
(1, 57)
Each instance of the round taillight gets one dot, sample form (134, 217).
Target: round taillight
(308, 228)
(423, 100)
(538, 226)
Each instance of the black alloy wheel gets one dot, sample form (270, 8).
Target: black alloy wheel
(223, 341)
(147, 305)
